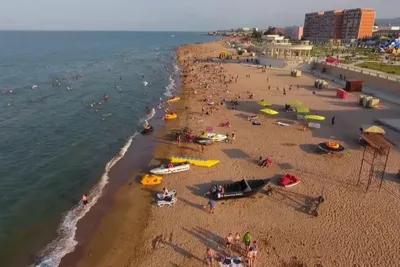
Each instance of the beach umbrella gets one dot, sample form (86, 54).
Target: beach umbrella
(269, 111)
(302, 110)
(295, 103)
(314, 117)
(264, 103)
(373, 129)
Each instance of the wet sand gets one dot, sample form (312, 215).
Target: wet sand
(353, 227)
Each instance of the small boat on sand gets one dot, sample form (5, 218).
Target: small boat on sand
(243, 188)
(195, 161)
(215, 137)
(204, 141)
(289, 180)
(168, 170)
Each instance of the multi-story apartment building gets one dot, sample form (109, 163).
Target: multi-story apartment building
(294, 32)
(339, 24)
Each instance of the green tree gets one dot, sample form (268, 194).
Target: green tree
(256, 34)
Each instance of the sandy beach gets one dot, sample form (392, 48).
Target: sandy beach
(353, 228)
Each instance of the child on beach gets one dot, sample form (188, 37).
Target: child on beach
(210, 254)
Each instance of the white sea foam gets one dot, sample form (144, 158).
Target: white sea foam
(171, 87)
(65, 242)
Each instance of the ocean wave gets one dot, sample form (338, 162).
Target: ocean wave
(65, 243)
(148, 116)
(172, 86)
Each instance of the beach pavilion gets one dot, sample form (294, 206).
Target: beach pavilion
(280, 47)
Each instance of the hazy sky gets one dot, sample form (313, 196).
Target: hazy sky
(170, 14)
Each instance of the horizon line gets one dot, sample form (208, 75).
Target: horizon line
(94, 30)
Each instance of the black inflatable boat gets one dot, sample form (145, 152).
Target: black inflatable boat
(147, 130)
(244, 188)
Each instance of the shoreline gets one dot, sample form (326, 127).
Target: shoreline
(114, 203)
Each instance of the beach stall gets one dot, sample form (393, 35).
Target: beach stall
(342, 94)
(320, 84)
(354, 85)
(295, 73)
(368, 101)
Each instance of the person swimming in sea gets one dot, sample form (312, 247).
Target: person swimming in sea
(85, 199)
(105, 97)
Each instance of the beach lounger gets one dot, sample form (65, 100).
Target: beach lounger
(162, 203)
(231, 262)
(171, 193)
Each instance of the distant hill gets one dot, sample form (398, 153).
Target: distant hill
(385, 22)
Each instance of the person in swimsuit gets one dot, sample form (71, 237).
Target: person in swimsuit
(250, 258)
(254, 250)
(229, 241)
(165, 192)
(85, 199)
(237, 238)
(210, 257)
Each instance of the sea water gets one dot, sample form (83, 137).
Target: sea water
(70, 105)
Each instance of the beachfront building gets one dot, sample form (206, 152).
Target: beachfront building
(293, 32)
(347, 25)
(280, 47)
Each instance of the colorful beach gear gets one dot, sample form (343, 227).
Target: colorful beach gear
(269, 111)
(314, 117)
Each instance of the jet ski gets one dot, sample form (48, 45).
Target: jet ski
(147, 129)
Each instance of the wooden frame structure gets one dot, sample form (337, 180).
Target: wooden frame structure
(375, 157)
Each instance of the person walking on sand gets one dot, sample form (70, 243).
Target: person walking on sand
(247, 241)
(229, 242)
(254, 249)
(249, 257)
(333, 120)
(233, 138)
(211, 205)
(210, 254)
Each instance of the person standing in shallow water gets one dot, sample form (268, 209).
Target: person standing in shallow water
(333, 120)
(85, 199)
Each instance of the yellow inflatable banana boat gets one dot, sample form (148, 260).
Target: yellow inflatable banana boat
(195, 161)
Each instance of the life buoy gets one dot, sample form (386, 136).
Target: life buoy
(332, 145)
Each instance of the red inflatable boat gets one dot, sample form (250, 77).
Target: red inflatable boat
(289, 180)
